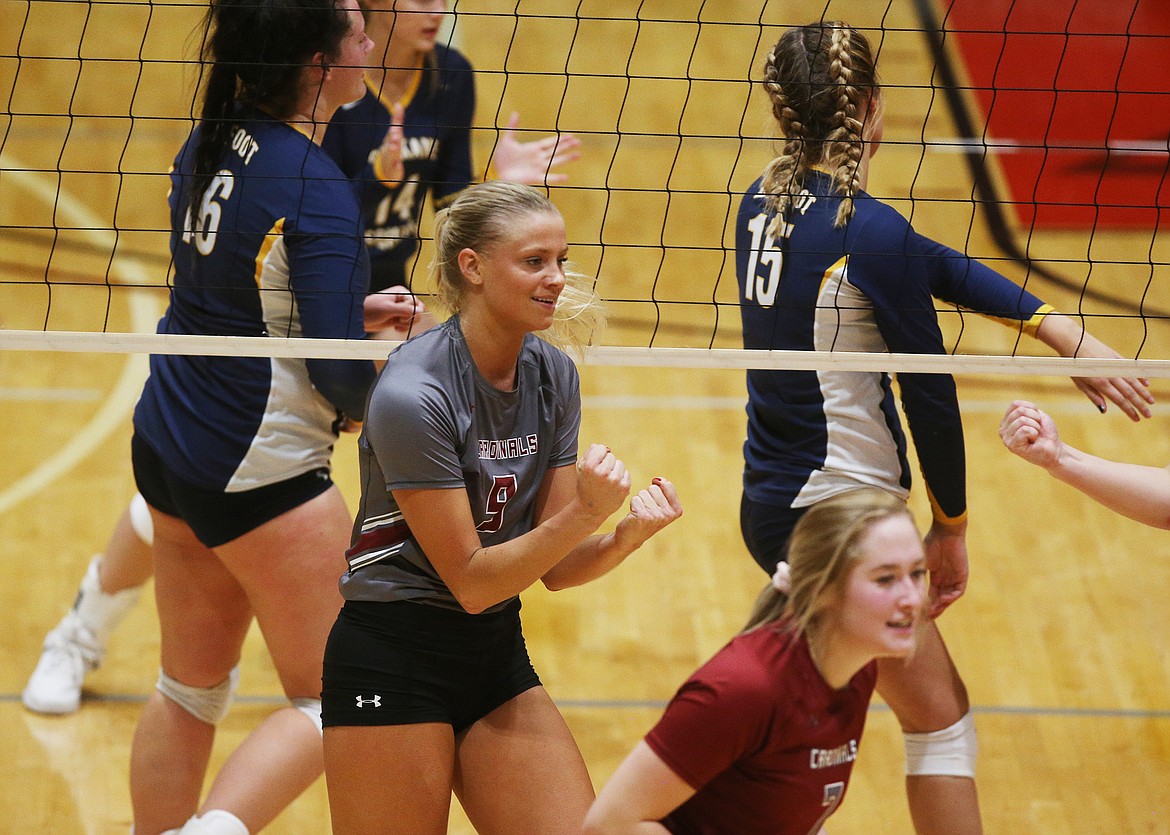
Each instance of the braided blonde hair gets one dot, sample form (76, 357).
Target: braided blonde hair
(819, 78)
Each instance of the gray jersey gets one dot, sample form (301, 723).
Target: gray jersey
(434, 422)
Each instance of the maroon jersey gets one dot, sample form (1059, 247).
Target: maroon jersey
(767, 745)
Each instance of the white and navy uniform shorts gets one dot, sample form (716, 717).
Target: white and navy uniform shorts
(766, 529)
(215, 516)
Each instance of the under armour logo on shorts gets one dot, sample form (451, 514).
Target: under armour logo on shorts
(376, 701)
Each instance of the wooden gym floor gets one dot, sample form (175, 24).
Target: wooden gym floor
(1063, 637)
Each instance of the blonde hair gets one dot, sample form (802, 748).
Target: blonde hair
(481, 216)
(819, 78)
(822, 551)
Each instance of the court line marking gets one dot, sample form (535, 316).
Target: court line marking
(652, 704)
(144, 314)
(66, 395)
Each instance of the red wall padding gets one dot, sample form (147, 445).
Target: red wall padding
(1081, 89)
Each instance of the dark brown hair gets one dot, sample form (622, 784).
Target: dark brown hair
(254, 51)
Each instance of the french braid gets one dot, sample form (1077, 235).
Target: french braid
(818, 79)
(843, 154)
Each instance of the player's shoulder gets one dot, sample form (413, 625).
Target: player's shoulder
(555, 365)
(752, 202)
(324, 196)
(262, 142)
(545, 351)
(425, 352)
(745, 669)
(877, 224)
(754, 194)
(416, 370)
(280, 160)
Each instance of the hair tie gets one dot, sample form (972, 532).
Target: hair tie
(782, 578)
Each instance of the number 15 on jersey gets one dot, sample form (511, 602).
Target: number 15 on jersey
(760, 284)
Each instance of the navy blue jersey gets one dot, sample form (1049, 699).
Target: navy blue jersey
(273, 248)
(436, 155)
(870, 287)
(436, 423)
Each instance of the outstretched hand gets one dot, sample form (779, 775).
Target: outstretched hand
(532, 162)
(1131, 394)
(1030, 434)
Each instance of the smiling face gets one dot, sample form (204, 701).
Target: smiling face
(520, 275)
(883, 599)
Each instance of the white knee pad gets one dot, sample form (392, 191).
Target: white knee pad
(140, 519)
(214, 822)
(951, 751)
(311, 708)
(207, 704)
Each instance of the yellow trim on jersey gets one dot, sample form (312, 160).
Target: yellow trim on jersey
(305, 132)
(940, 517)
(380, 173)
(842, 263)
(1033, 324)
(1029, 326)
(407, 97)
(270, 239)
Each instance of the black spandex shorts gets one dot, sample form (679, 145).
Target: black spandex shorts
(766, 529)
(404, 663)
(217, 517)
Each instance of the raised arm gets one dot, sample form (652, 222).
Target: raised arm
(965, 281)
(387, 161)
(1139, 492)
(532, 162)
(1064, 335)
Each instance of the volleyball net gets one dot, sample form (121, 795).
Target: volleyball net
(1031, 136)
